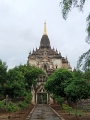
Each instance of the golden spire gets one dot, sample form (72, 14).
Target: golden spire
(45, 31)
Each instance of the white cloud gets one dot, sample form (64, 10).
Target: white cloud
(21, 29)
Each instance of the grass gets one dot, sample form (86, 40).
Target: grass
(79, 112)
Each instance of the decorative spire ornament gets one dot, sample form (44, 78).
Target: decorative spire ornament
(33, 50)
(66, 57)
(30, 53)
(45, 31)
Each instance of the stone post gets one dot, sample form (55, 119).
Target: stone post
(7, 99)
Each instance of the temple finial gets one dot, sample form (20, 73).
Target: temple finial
(45, 31)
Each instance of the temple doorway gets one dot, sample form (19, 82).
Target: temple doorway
(41, 98)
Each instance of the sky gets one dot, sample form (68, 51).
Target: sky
(22, 25)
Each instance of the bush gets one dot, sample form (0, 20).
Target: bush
(11, 107)
(28, 98)
(22, 105)
(2, 104)
(60, 100)
(67, 108)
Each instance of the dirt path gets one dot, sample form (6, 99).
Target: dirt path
(43, 112)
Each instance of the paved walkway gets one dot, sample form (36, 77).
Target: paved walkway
(43, 112)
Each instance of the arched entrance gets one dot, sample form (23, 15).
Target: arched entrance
(41, 98)
(45, 68)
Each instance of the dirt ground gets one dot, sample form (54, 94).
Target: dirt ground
(19, 115)
(66, 116)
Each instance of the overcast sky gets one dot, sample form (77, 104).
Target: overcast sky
(21, 29)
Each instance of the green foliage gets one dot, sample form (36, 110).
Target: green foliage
(78, 74)
(67, 108)
(16, 82)
(70, 110)
(58, 81)
(3, 76)
(78, 89)
(2, 104)
(30, 73)
(87, 74)
(20, 79)
(67, 5)
(70, 86)
(84, 61)
(78, 113)
(3, 71)
(60, 100)
(22, 105)
(88, 29)
(28, 98)
(11, 107)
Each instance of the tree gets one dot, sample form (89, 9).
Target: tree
(68, 85)
(11, 107)
(30, 73)
(78, 89)
(78, 74)
(59, 100)
(58, 81)
(87, 75)
(84, 61)
(2, 104)
(3, 76)
(15, 85)
(20, 80)
(28, 98)
(67, 108)
(67, 5)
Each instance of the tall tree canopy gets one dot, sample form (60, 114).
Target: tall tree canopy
(84, 61)
(20, 80)
(78, 89)
(71, 86)
(15, 85)
(58, 81)
(17, 82)
(87, 75)
(30, 73)
(3, 76)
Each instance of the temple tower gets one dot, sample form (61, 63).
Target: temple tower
(49, 60)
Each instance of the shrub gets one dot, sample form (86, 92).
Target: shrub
(28, 98)
(2, 104)
(67, 108)
(22, 105)
(11, 107)
(60, 100)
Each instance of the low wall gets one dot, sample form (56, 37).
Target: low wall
(84, 104)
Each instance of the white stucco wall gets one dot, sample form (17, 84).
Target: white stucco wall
(57, 62)
(33, 62)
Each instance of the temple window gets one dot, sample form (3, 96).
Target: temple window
(45, 67)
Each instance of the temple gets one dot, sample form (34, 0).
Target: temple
(49, 60)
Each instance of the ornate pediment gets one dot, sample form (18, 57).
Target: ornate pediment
(41, 89)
